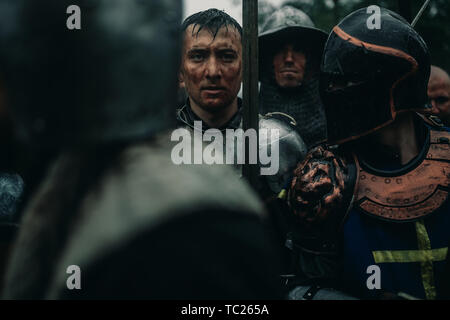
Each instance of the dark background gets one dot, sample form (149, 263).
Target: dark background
(434, 26)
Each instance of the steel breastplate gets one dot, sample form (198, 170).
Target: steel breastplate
(412, 195)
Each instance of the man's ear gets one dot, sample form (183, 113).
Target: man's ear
(181, 79)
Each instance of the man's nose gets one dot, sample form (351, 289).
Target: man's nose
(434, 109)
(212, 69)
(289, 55)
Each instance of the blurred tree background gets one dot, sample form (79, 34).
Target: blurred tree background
(434, 26)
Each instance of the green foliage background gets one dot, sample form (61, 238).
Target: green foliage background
(434, 26)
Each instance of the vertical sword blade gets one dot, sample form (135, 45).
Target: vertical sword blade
(419, 14)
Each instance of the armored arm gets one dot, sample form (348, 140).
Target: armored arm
(319, 198)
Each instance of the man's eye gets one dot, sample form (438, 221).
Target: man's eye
(197, 57)
(298, 48)
(228, 57)
(442, 100)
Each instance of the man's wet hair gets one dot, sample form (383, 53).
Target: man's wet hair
(212, 20)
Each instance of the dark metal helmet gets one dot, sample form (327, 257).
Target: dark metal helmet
(369, 75)
(287, 24)
(113, 80)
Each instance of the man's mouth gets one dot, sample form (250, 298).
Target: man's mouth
(212, 89)
(289, 71)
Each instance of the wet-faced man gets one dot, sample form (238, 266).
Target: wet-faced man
(211, 70)
(211, 73)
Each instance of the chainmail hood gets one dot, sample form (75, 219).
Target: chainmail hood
(302, 103)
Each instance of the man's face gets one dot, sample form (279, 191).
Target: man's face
(439, 95)
(211, 69)
(289, 66)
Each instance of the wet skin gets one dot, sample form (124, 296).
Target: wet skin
(211, 71)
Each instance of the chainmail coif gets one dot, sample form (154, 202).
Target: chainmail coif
(302, 103)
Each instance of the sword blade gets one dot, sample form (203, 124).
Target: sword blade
(419, 14)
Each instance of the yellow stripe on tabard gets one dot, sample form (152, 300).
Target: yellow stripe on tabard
(425, 255)
(400, 256)
(282, 194)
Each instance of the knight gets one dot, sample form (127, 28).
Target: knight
(376, 196)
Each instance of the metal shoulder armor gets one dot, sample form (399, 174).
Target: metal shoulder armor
(278, 134)
(414, 192)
